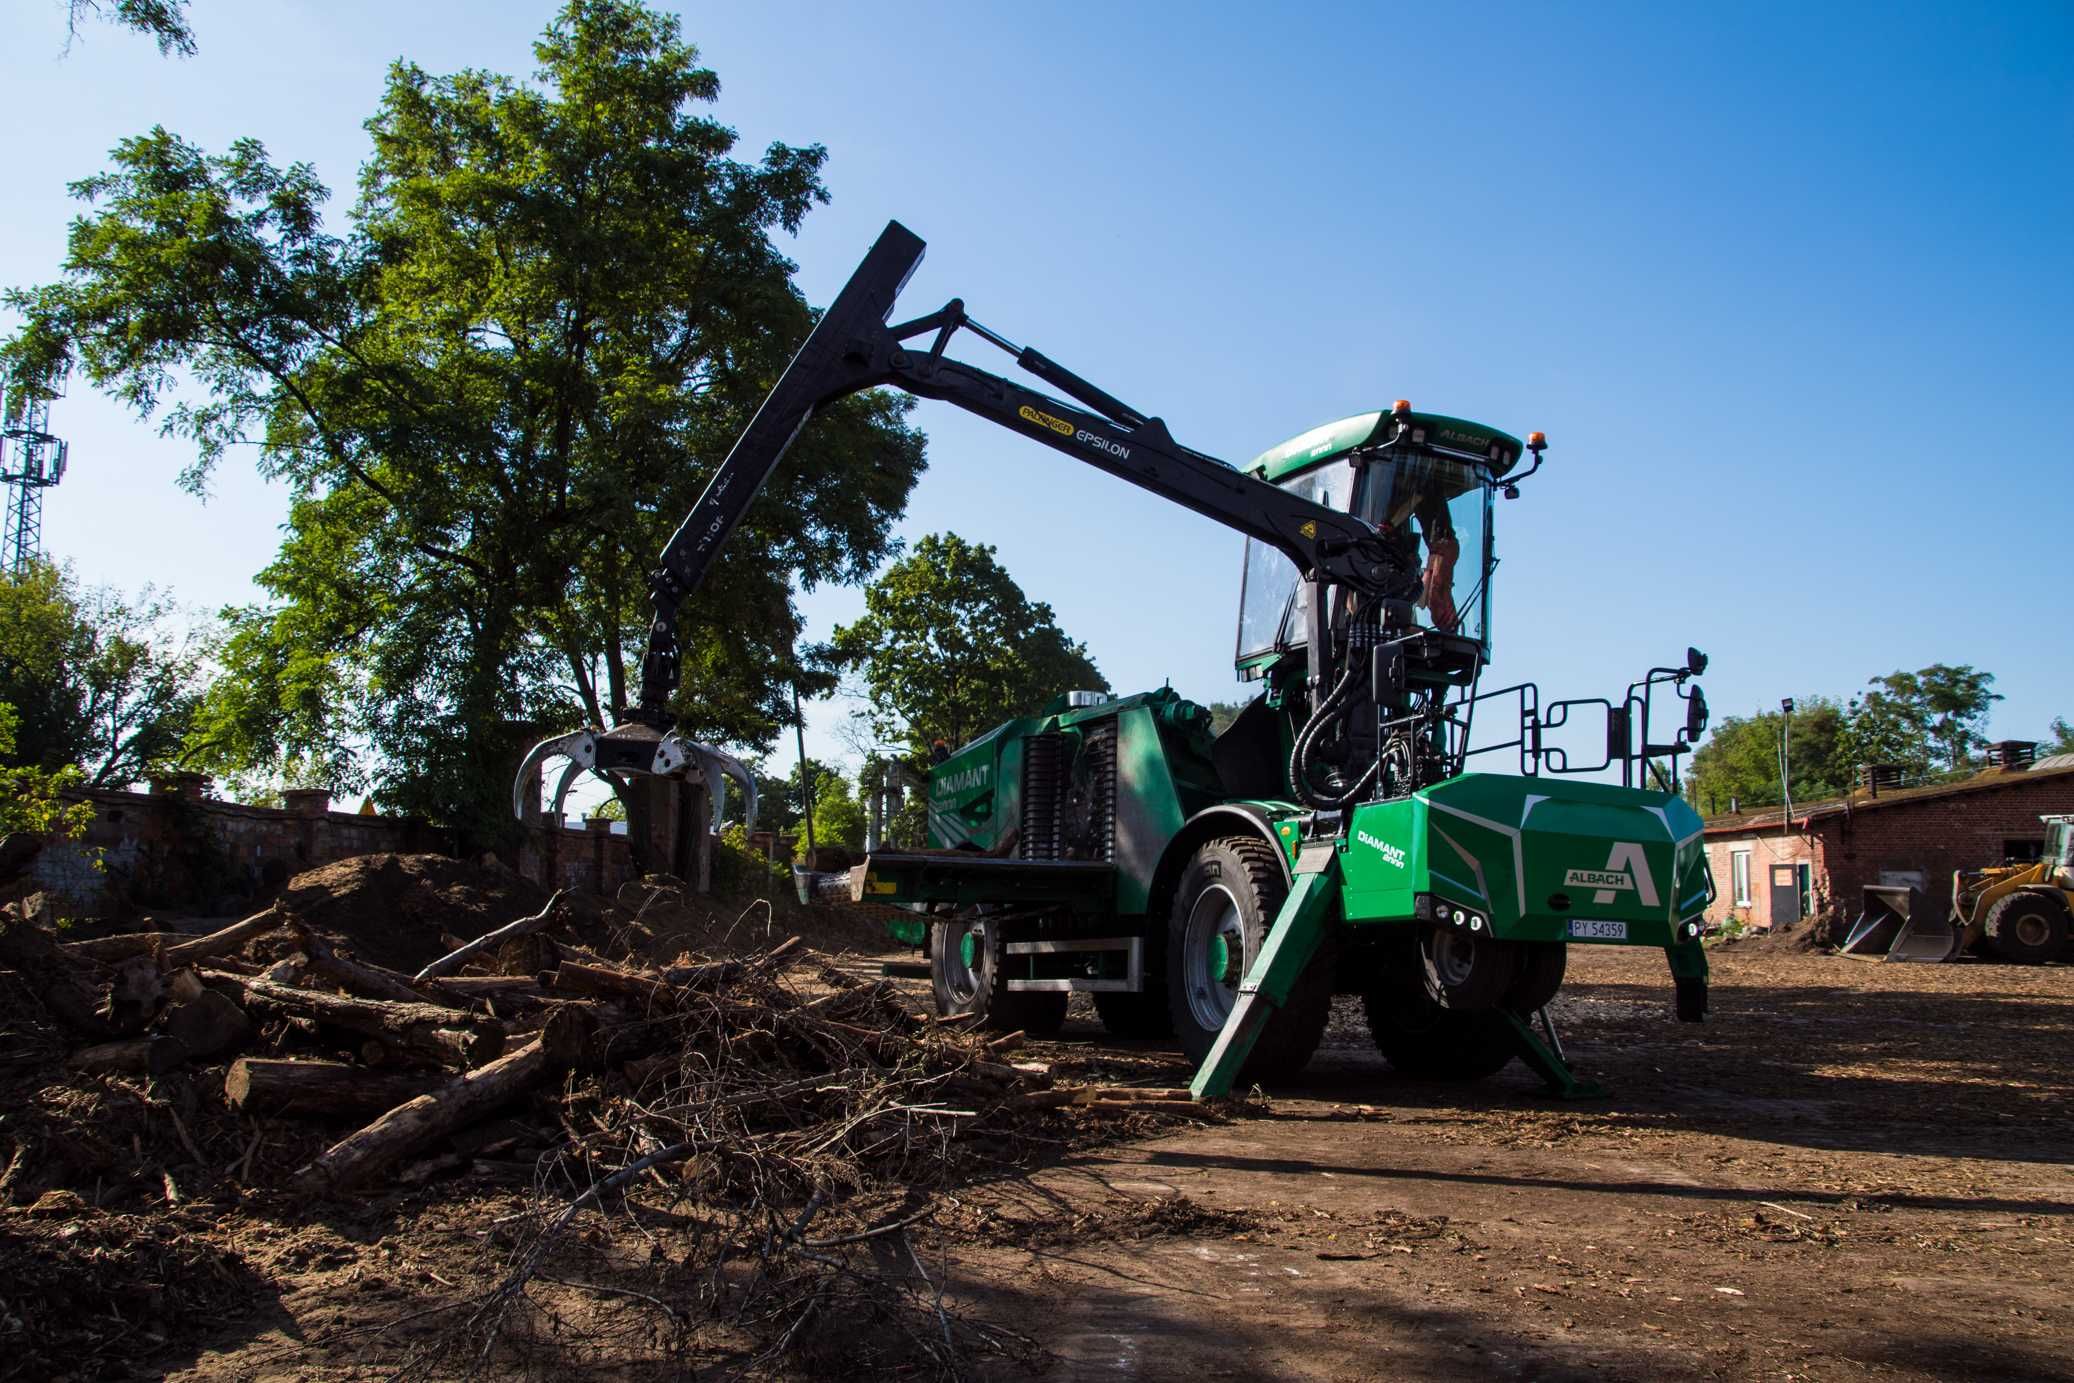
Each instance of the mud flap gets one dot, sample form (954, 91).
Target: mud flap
(1689, 975)
(1291, 944)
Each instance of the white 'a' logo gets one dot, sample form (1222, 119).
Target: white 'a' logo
(1627, 857)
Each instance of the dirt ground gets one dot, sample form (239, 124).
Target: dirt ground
(1853, 1171)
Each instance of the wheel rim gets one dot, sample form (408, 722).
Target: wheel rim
(2032, 930)
(1453, 958)
(1213, 948)
(961, 962)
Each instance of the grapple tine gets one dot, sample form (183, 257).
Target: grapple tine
(580, 746)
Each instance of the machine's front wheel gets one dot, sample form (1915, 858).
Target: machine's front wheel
(1421, 1039)
(967, 975)
(2026, 928)
(1223, 907)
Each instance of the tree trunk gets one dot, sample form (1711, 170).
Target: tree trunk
(370, 981)
(321, 1089)
(368, 1153)
(444, 1035)
(231, 938)
(140, 1056)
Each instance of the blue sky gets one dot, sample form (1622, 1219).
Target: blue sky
(1789, 293)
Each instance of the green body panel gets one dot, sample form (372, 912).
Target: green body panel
(1322, 444)
(1536, 856)
(1163, 776)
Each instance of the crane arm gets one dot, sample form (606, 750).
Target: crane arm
(852, 348)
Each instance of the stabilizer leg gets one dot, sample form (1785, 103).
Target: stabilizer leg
(1291, 944)
(1545, 1059)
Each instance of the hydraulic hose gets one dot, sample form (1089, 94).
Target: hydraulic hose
(1329, 711)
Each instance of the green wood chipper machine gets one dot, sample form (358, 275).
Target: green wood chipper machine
(1339, 837)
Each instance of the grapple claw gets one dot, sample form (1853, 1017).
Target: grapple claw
(630, 752)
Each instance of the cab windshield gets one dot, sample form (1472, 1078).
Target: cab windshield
(1435, 509)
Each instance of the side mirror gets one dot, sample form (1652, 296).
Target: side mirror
(1695, 662)
(1695, 713)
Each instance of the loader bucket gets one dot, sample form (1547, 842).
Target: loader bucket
(1895, 924)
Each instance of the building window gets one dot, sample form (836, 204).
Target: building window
(1739, 871)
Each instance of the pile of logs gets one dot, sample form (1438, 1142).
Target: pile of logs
(812, 1084)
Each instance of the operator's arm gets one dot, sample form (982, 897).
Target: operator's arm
(1437, 585)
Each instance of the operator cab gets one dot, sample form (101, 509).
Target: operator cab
(1424, 482)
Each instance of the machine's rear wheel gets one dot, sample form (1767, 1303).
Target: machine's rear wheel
(1223, 907)
(967, 975)
(1539, 976)
(1417, 1035)
(1467, 972)
(1422, 1040)
(2026, 928)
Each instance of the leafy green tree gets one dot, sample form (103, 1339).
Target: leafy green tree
(1934, 717)
(838, 815)
(1956, 702)
(31, 798)
(492, 397)
(2062, 737)
(1739, 762)
(96, 681)
(162, 21)
(950, 646)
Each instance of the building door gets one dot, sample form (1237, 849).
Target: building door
(1785, 895)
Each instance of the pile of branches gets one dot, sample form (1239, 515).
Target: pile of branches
(768, 1157)
(730, 1160)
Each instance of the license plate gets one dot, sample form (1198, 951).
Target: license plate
(1592, 929)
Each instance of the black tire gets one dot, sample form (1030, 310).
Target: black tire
(1466, 972)
(1422, 1040)
(1539, 976)
(1245, 873)
(2026, 928)
(981, 986)
(1135, 1016)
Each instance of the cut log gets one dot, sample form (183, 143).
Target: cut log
(109, 949)
(362, 1156)
(442, 1034)
(455, 959)
(369, 981)
(321, 1089)
(524, 989)
(206, 1024)
(231, 938)
(139, 1056)
(576, 977)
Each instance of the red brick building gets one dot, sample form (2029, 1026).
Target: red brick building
(1770, 871)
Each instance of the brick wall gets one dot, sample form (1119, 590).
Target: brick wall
(1934, 834)
(174, 848)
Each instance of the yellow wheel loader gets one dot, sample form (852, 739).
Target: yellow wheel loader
(2016, 912)
(2020, 912)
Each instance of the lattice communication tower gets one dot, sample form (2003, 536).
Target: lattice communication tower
(31, 461)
